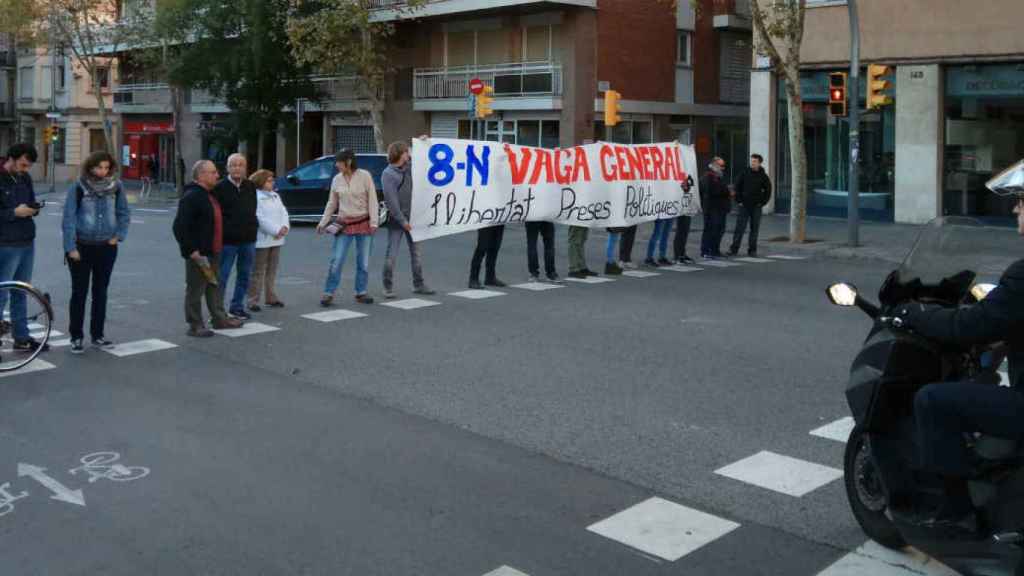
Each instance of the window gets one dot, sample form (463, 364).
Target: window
(59, 146)
(359, 139)
(319, 170)
(60, 77)
(627, 132)
(103, 76)
(26, 82)
(683, 40)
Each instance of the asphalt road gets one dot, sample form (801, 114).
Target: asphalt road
(454, 439)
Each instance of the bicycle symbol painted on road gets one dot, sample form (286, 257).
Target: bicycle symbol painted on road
(7, 499)
(104, 465)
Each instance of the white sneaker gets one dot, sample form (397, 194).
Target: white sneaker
(77, 346)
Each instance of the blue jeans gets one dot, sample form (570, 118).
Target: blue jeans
(339, 253)
(245, 256)
(611, 254)
(16, 264)
(662, 230)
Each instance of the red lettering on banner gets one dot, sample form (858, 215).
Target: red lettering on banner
(670, 165)
(562, 176)
(659, 163)
(680, 175)
(581, 166)
(622, 157)
(608, 171)
(519, 169)
(636, 163)
(650, 171)
(543, 161)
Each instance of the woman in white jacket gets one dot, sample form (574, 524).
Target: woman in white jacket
(274, 226)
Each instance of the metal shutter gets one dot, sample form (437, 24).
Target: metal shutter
(734, 74)
(444, 125)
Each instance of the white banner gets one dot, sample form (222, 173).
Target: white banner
(463, 185)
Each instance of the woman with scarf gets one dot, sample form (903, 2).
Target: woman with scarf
(96, 219)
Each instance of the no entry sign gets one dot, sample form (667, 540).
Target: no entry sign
(476, 86)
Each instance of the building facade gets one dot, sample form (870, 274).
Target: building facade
(957, 117)
(8, 82)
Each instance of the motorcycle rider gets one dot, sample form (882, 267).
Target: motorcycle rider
(944, 412)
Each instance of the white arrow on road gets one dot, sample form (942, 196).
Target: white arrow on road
(60, 491)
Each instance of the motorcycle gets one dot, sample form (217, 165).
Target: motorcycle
(954, 262)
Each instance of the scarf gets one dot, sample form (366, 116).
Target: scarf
(99, 187)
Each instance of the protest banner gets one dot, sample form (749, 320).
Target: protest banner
(464, 185)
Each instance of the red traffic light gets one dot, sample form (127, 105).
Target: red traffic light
(837, 94)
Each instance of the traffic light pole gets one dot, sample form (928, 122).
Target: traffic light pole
(853, 93)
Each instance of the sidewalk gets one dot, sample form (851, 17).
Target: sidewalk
(131, 187)
(828, 237)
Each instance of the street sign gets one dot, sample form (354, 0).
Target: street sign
(54, 115)
(476, 86)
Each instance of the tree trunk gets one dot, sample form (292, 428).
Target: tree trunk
(798, 164)
(101, 105)
(178, 161)
(377, 116)
(262, 141)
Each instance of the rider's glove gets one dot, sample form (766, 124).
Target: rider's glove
(909, 316)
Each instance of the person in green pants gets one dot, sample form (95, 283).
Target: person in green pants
(578, 252)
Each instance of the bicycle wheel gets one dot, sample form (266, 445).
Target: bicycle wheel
(20, 302)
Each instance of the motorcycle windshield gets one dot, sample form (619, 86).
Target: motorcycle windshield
(952, 245)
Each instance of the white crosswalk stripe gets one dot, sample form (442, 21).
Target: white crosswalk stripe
(334, 315)
(754, 260)
(681, 268)
(590, 280)
(719, 264)
(838, 430)
(663, 529)
(640, 274)
(506, 571)
(786, 257)
(36, 365)
(411, 304)
(538, 286)
(249, 329)
(878, 561)
(140, 347)
(477, 294)
(781, 474)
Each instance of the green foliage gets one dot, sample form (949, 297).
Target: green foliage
(238, 51)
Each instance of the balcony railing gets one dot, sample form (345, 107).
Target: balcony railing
(128, 96)
(508, 80)
(334, 89)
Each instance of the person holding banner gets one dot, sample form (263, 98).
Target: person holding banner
(578, 252)
(547, 231)
(716, 203)
(397, 184)
(662, 230)
(351, 215)
(488, 242)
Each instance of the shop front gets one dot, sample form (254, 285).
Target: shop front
(827, 141)
(148, 150)
(984, 133)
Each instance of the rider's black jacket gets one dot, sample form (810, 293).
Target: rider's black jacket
(997, 318)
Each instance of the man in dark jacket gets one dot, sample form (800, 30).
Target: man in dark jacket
(753, 191)
(716, 203)
(198, 228)
(18, 207)
(237, 197)
(397, 183)
(945, 412)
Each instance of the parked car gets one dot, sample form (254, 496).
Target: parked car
(305, 189)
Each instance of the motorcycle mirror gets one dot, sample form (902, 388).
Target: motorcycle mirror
(842, 294)
(980, 291)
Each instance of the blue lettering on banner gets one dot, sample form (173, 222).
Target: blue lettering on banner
(441, 172)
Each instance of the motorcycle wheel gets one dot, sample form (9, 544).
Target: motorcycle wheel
(865, 494)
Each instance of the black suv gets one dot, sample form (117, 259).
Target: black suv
(305, 189)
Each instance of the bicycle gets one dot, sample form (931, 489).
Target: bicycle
(38, 316)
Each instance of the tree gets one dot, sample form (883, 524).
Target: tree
(253, 69)
(92, 31)
(344, 37)
(779, 27)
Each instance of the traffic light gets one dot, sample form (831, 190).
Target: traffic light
(54, 134)
(837, 94)
(484, 101)
(50, 134)
(877, 86)
(612, 108)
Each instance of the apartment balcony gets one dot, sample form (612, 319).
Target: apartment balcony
(339, 94)
(517, 86)
(732, 15)
(388, 10)
(142, 99)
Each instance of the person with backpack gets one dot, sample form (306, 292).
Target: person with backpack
(96, 220)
